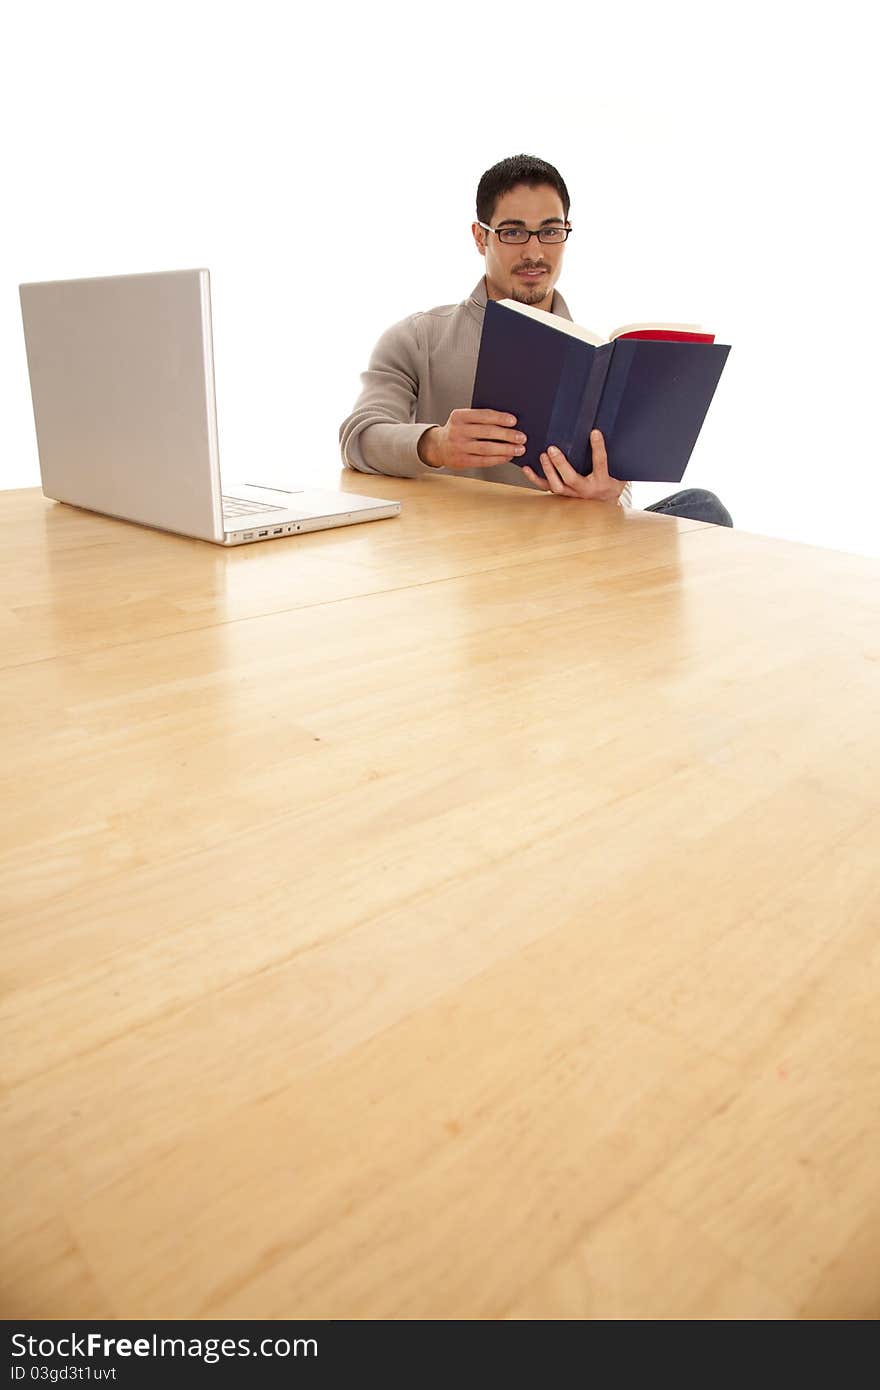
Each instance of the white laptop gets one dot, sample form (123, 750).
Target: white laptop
(122, 381)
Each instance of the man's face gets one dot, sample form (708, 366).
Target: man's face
(526, 272)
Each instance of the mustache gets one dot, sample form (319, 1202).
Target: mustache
(530, 265)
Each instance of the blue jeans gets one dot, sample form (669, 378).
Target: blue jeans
(695, 503)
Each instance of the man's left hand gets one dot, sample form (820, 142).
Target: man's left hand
(561, 479)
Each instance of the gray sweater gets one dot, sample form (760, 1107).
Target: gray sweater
(421, 370)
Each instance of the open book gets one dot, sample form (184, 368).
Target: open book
(647, 388)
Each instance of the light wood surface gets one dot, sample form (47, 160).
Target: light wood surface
(471, 914)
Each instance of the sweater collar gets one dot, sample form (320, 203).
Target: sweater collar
(476, 303)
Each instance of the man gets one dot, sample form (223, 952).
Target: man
(413, 417)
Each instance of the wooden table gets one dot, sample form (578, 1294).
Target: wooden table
(472, 914)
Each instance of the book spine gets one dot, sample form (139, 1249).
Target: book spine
(580, 457)
(573, 383)
(615, 386)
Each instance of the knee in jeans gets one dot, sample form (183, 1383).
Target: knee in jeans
(720, 515)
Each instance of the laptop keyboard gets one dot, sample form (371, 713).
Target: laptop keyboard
(236, 506)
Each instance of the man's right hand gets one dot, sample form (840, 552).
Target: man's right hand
(472, 439)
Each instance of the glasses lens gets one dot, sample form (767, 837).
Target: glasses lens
(513, 236)
(549, 235)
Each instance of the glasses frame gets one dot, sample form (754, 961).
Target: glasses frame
(497, 230)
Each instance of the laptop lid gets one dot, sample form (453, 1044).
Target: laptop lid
(122, 382)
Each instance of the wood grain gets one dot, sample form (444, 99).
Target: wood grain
(472, 914)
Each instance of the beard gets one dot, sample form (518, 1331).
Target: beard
(529, 294)
(526, 295)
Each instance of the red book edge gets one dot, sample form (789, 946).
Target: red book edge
(667, 335)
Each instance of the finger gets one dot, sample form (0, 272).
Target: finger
(487, 417)
(545, 486)
(477, 431)
(600, 457)
(561, 463)
(538, 482)
(487, 448)
(553, 478)
(467, 460)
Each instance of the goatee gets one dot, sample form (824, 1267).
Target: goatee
(528, 296)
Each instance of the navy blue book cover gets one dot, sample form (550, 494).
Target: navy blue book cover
(649, 398)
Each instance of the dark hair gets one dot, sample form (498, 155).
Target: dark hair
(519, 168)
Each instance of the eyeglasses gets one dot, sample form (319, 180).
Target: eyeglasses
(518, 236)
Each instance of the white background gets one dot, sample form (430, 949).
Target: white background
(322, 162)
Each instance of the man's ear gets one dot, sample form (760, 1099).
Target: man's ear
(479, 237)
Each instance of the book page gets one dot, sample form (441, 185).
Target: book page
(586, 335)
(573, 330)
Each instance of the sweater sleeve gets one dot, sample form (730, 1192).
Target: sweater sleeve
(380, 435)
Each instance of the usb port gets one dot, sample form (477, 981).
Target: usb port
(262, 533)
(279, 531)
